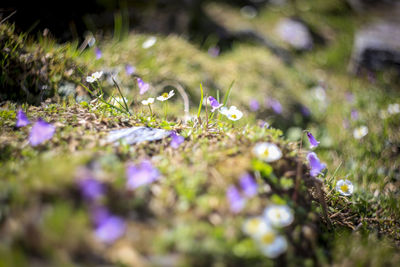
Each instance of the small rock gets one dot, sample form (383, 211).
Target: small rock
(136, 135)
(376, 47)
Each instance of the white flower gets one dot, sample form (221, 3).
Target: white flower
(278, 215)
(319, 93)
(149, 42)
(360, 132)
(271, 244)
(393, 109)
(267, 151)
(344, 187)
(166, 96)
(232, 113)
(148, 101)
(94, 77)
(254, 226)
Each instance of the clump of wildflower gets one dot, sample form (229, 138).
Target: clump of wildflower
(232, 113)
(143, 87)
(149, 42)
(214, 103)
(41, 132)
(94, 77)
(267, 152)
(236, 200)
(313, 142)
(22, 119)
(344, 187)
(176, 140)
(248, 185)
(165, 96)
(316, 166)
(360, 132)
(278, 215)
(214, 51)
(141, 174)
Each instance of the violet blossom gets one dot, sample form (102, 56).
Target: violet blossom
(214, 103)
(110, 228)
(254, 105)
(236, 201)
(91, 189)
(313, 142)
(98, 53)
(275, 105)
(176, 140)
(141, 174)
(315, 164)
(129, 69)
(248, 185)
(354, 114)
(22, 119)
(41, 132)
(144, 87)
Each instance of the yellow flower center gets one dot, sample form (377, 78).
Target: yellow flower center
(344, 188)
(253, 224)
(266, 152)
(165, 95)
(268, 238)
(234, 116)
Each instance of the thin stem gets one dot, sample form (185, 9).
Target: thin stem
(151, 112)
(123, 98)
(165, 110)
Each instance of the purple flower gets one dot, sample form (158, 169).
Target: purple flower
(312, 140)
(144, 87)
(275, 105)
(22, 119)
(141, 174)
(214, 51)
(91, 189)
(354, 114)
(214, 103)
(110, 228)
(236, 201)
(349, 97)
(315, 165)
(305, 111)
(249, 186)
(41, 131)
(98, 53)
(176, 140)
(129, 69)
(254, 105)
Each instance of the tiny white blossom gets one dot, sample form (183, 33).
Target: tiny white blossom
(360, 132)
(344, 187)
(278, 215)
(267, 152)
(149, 42)
(166, 96)
(148, 101)
(232, 113)
(254, 226)
(270, 243)
(393, 109)
(94, 77)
